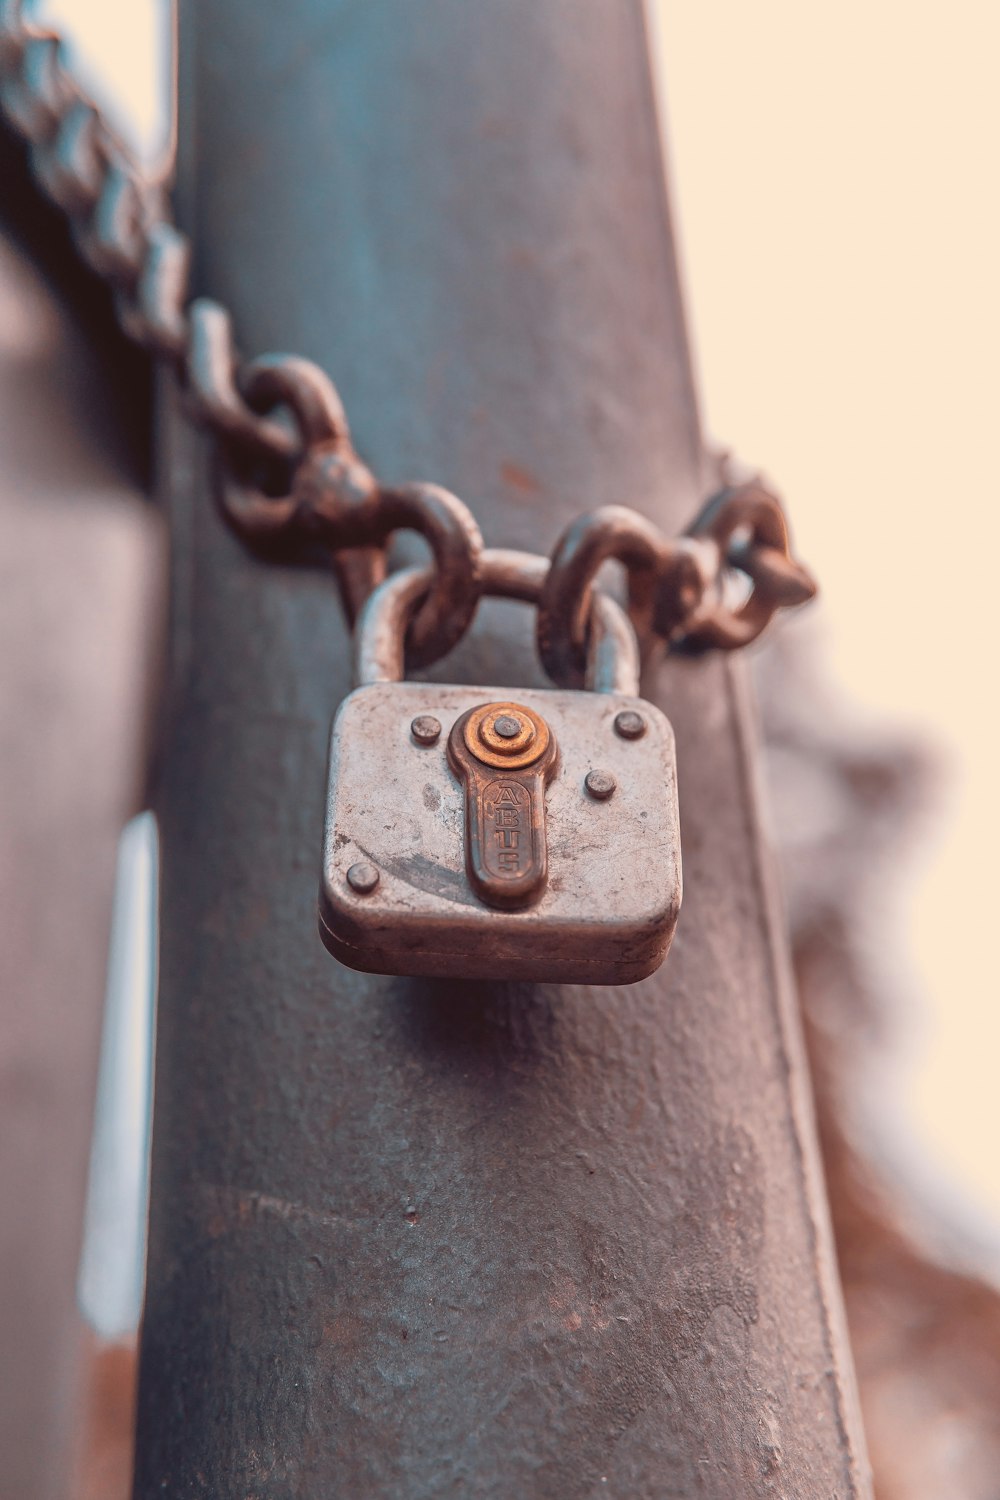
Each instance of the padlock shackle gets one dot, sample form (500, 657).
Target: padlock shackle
(613, 654)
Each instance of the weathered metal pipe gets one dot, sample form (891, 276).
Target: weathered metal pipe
(441, 1238)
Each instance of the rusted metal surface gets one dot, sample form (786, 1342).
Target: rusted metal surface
(677, 587)
(442, 1238)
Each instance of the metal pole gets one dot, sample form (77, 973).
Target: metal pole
(439, 1238)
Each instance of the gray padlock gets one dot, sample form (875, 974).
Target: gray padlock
(471, 833)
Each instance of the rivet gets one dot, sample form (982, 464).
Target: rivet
(426, 730)
(505, 734)
(630, 725)
(363, 877)
(600, 784)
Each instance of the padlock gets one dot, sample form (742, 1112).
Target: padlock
(476, 833)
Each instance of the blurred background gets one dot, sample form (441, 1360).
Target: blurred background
(832, 176)
(832, 181)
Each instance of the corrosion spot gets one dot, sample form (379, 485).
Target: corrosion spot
(519, 479)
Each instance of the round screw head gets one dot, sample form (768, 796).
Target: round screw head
(630, 725)
(504, 734)
(600, 785)
(426, 730)
(363, 877)
(507, 727)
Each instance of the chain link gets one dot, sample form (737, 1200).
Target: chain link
(679, 589)
(290, 481)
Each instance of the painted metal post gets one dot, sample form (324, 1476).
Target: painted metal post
(426, 1239)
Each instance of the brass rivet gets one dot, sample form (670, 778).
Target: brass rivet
(426, 730)
(600, 784)
(363, 877)
(630, 725)
(505, 734)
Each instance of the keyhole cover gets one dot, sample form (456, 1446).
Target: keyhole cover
(504, 755)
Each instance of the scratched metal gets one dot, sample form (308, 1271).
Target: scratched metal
(607, 913)
(442, 1238)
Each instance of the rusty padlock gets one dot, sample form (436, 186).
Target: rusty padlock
(471, 833)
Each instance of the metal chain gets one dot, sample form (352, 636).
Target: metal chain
(289, 476)
(680, 590)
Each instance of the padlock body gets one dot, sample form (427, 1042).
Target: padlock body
(613, 889)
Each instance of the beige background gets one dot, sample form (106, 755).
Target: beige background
(835, 178)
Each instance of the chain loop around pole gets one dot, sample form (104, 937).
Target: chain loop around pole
(676, 588)
(747, 525)
(290, 481)
(611, 533)
(334, 501)
(451, 532)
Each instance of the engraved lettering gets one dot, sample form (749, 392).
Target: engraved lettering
(507, 848)
(505, 821)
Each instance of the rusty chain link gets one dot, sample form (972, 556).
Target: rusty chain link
(679, 589)
(289, 476)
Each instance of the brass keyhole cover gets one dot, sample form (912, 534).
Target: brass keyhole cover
(507, 735)
(505, 756)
